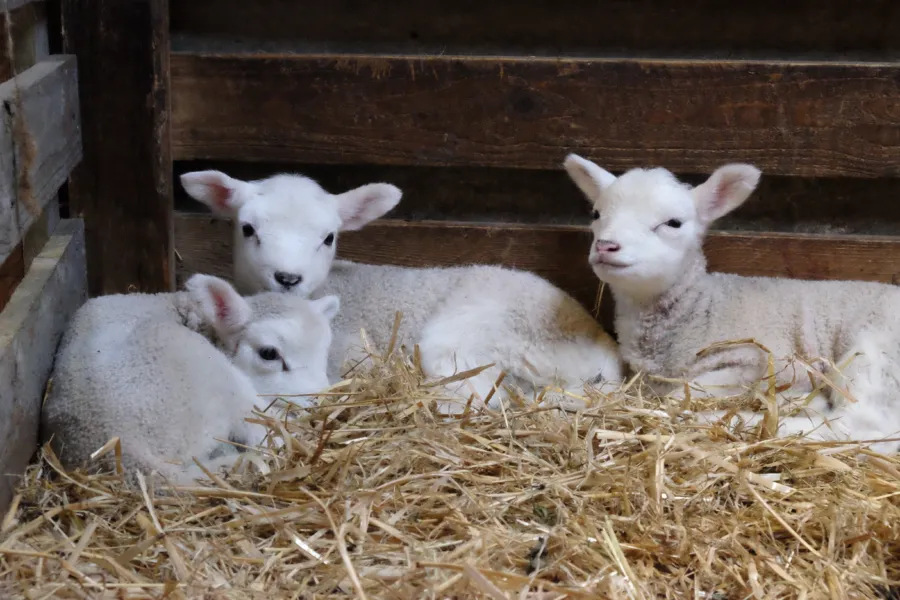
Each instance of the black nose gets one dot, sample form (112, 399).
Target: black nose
(288, 280)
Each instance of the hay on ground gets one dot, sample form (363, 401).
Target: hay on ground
(374, 495)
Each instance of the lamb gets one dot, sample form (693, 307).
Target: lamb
(647, 246)
(285, 238)
(172, 373)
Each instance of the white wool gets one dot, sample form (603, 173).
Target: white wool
(461, 317)
(170, 374)
(648, 237)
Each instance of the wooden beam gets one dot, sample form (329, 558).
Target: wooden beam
(31, 326)
(811, 119)
(789, 204)
(40, 143)
(559, 253)
(123, 187)
(632, 26)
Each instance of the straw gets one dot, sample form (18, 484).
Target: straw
(374, 494)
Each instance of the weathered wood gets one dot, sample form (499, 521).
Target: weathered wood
(123, 187)
(13, 269)
(560, 252)
(27, 23)
(14, 4)
(30, 329)
(811, 119)
(789, 204)
(40, 143)
(630, 26)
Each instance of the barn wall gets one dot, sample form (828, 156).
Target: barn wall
(470, 108)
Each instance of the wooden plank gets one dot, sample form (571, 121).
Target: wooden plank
(123, 187)
(559, 253)
(27, 24)
(31, 326)
(630, 26)
(789, 204)
(13, 269)
(40, 139)
(813, 119)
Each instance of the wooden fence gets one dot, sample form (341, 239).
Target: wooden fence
(42, 258)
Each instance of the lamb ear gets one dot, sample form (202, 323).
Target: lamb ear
(223, 194)
(366, 203)
(590, 178)
(726, 189)
(218, 303)
(328, 306)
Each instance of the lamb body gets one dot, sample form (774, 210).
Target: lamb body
(469, 316)
(285, 237)
(170, 373)
(648, 233)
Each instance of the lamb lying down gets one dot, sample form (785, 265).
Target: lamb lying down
(169, 374)
(462, 318)
(648, 235)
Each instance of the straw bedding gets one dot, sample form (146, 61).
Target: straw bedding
(374, 495)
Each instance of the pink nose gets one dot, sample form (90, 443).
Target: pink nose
(604, 246)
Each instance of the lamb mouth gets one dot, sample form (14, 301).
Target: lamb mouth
(599, 262)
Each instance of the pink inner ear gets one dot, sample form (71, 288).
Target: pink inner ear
(723, 188)
(221, 194)
(222, 308)
(720, 192)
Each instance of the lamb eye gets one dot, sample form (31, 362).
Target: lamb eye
(595, 215)
(268, 353)
(329, 240)
(673, 223)
(248, 230)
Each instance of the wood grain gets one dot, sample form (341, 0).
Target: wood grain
(632, 26)
(28, 25)
(31, 326)
(40, 143)
(788, 204)
(13, 269)
(815, 119)
(559, 253)
(123, 187)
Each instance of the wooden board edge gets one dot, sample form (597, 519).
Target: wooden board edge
(31, 327)
(42, 126)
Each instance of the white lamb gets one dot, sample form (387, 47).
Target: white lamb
(285, 236)
(169, 374)
(648, 234)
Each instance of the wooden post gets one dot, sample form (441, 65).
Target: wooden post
(123, 186)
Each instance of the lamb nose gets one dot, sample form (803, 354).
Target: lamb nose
(288, 280)
(607, 246)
